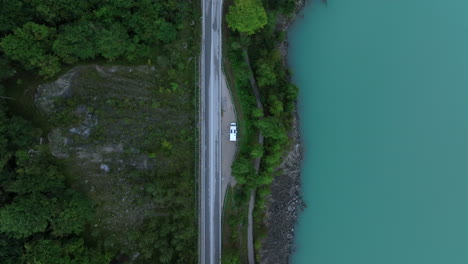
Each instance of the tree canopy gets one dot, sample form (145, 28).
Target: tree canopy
(38, 211)
(246, 16)
(43, 34)
(43, 219)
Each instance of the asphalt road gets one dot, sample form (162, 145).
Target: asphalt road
(210, 133)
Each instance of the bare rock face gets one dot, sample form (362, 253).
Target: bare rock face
(84, 99)
(48, 92)
(105, 168)
(59, 144)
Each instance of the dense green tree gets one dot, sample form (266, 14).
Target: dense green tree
(257, 113)
(273, 159)
(30, 45)
(246, 16)
(230, 258)
(145, 21)
(10, 250)
(76, 42)
(257, 151)
(275, 106)
(4, 153)
(37, 211)
(265, 73)
(21, 133)
(263, 191)
(35, 174)
(11, 15)
(72, 251)
(113, 42)
(55, 11)
(264, 179)
(277, 94)
(286, 7)
(166, 32)
(27, 215)
(46, 251)
(75, 213)
(272, 128)
(41, 216)
(291, 93)
(166, 239)
(42, 34)
(241, 169)
(6, 71)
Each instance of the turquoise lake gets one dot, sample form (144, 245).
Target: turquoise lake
(384, 119)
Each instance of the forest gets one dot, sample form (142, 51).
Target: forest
(254, 60)
(42, 35)
(44, 216)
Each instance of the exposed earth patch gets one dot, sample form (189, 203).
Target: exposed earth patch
(119, 130)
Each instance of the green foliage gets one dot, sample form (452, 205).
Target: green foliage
(38, 212)
(257, 151)
(35, 175)
(174, 86)
(71, 251)
(6, 71)
(113, 42)
(42, 219)
(166, 145)
(75, 213)
(75, 42)
(167, 32)
(277, 94)
(272, 128)
(265, 74)
(42, 200)
(42, 34)
(291, 93)
(167, 245)
(11, 250)
(29, 45)
(285, 7)
(27, 215)
(230, 258)
(20, 133)
(246, 16)
(5, 154)
(11, 15)
(241, 169)
(262, 192)
(275, 106)
(59, 11)
(257, 113)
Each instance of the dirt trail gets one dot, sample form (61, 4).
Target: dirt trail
(250, 247)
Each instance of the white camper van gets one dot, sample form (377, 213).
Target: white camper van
(233, 132)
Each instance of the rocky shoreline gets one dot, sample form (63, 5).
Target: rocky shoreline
(284, 205)
(283, 25)
(285, 202)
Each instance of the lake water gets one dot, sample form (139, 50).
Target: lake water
(384, 115)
